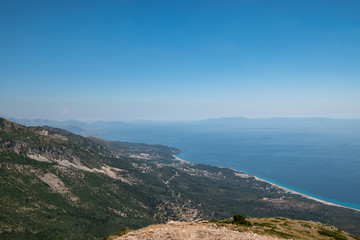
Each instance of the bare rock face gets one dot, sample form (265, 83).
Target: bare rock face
(191, 231)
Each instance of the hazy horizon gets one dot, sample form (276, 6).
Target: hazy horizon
(172, 120)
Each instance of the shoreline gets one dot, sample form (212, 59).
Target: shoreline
(281, 187)
(302, 194)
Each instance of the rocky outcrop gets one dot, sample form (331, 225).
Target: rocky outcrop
(191, 231)
(257, 229)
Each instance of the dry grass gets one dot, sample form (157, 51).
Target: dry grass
(262, 228)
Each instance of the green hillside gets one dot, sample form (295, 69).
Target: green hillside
(58, 185)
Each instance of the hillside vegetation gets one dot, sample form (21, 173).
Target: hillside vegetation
(58, 185)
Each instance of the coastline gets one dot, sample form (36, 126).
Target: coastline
(302, 194)
(281, 187)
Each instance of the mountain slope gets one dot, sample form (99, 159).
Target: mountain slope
(56, 185)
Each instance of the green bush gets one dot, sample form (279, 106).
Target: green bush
(239, 219)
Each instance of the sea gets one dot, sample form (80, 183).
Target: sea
(316, 157)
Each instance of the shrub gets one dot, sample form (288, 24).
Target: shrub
(239, 219)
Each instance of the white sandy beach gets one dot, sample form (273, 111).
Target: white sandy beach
(304, 195)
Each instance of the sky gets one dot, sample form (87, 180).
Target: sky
(179, 60)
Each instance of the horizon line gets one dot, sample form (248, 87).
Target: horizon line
(174, 120)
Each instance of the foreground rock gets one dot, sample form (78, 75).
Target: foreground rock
(191, 231)
(249, 229)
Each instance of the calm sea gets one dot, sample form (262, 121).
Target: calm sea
(319, 162)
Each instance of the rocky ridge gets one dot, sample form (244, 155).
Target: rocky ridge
(260, 229)
(191, 231)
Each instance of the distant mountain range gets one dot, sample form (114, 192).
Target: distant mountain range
(55, 184)
(101, 128)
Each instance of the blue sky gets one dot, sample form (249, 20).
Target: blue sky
(122, 60)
